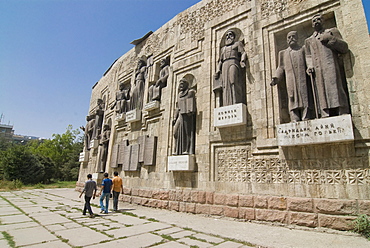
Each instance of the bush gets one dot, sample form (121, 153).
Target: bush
(362, 225)
(19, 163)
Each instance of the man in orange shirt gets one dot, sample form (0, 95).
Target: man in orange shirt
(116, 189)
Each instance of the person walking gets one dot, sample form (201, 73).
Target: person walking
(106, 188)
(90, 191)
(117, 188)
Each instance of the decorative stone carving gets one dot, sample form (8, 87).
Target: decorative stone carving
(155, 91)
(184, 120)
(325, 66)
(104, 143)
(99, 114)
(137, 92)
(270, 7)
(292, 68)
(122, 99)
(229, 77)
(236, 165)
(193, 22)
(89, 130)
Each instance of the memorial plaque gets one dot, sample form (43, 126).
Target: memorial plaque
(114, 158)
(142, 142)
(84, 157)
(231, 115)
(325, 130)
(120, 117)
(151, 106)
(181, 163)
(133, 115)
(150, 150)
(126, 153)
(123, 147)
(94, 143)
(134, 157)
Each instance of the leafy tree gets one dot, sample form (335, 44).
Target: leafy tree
(63, 150)
(18, 162)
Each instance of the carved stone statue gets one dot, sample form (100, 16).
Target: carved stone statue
(104, 143)
(155, 90)
(292, 67)
(122, 99)
(137, 93)
(99, 114)
(89, 130)
(184, 121)
(324, 62)
(229, 76)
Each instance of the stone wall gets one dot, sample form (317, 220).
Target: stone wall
(240, 171)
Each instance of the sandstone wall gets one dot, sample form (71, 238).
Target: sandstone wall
(243, 169)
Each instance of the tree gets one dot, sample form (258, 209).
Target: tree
(18, 162)
(63, 150)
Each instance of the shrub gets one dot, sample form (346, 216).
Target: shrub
(362, 225)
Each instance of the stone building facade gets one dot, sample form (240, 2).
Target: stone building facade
(238, 168)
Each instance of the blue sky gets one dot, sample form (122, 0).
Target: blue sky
(53, 51)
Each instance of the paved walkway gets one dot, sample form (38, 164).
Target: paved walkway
(53, 218)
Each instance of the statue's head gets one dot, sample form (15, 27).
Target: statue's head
(292, 38)
(141, 63)
(230, 37)
(317, 22)
(106, 127)
(100, 101)
(163, 62)
(183, 85)
(121, 86)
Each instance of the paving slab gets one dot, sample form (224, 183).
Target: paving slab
(229, 244)
(208, 238)
(4, 243)
(171, 244)
(34, 209)
(169, 231)
(51, 244)
(126, 219)
(32, 235)
(82, 236)
(136, 230)
(182, 234)
(17, 218)
(9, 211)
(22, 225)
(51, 218)
(142, 240)
(193, 242)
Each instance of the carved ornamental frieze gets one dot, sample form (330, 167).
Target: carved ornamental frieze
(234, 164)
(270, 7)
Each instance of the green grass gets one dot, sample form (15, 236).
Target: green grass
(17, 185)
(9, 238)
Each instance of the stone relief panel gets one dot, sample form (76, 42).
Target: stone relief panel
(235, 164)
(270, 7)
(193, 22)
(232, 164)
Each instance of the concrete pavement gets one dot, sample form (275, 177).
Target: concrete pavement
(53, 218)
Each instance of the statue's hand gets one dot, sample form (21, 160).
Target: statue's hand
(274, 81)
(310, 70)
(242, 64)
(217, 75)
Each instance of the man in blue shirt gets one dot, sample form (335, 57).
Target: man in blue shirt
(106, 188)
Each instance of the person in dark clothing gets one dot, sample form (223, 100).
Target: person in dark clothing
(90, 191)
